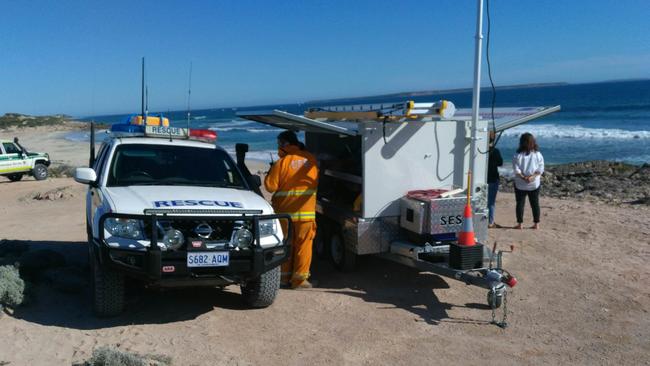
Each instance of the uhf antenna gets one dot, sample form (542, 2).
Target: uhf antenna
(142, 88)
(189, 95)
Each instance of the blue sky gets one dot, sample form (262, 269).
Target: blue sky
(83, 57)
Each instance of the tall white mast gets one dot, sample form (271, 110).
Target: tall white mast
(476, 92)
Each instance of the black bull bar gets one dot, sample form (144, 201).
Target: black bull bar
(261, 259)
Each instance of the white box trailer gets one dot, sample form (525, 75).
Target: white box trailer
(367, 167)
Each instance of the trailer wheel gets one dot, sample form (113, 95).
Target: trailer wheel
(342, 258)
(15, 177)
(321, 244)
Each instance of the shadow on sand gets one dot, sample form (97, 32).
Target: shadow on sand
(73, 309)
(387, 284)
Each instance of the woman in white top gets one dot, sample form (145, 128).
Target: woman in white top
(528, 166)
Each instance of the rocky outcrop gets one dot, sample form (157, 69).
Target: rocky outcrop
(596, 181)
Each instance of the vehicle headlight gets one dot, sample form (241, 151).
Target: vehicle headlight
(242, 238)
(124, 228)
(268, 228)
(173, 239)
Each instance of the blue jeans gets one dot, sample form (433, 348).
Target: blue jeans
(493, 188)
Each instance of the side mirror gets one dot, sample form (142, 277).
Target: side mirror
(256, 179)
(240, 151)
(85, 175)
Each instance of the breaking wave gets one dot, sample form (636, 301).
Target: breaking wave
(239, 129)
(576, 132)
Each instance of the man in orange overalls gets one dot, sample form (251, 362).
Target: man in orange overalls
(293, 181)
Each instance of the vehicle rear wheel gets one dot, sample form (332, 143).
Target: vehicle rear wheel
(343, 259)
(39, 172)
(261, 292)
(15, 177)
(108, 289)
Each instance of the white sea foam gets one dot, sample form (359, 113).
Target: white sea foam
(576, 132)
(233, 123)
(635, 159)
(264, 155)
(83, 136)
(251, 130)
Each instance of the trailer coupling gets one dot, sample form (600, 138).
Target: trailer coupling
(434, 259)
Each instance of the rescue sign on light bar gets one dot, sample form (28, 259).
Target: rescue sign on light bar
(166, 131)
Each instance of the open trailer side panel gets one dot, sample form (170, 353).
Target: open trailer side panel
(417, 155)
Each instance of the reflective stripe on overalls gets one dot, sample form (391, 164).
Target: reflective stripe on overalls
(295, 193)
(302, 215)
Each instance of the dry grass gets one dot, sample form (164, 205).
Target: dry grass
(111, 356)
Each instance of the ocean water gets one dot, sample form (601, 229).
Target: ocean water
(604, 121)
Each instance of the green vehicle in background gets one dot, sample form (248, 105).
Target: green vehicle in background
(16, 161)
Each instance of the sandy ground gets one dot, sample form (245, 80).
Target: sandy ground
(583, 298)
(49, 139)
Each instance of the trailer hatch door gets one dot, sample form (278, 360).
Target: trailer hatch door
(295, 122)
(505, 118)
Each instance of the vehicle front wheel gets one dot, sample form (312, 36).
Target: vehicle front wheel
(39, 172)
(108, 290)
(15, 177)
(260, 292)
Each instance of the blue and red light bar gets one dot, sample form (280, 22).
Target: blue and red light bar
(203, 134)
(164, 132)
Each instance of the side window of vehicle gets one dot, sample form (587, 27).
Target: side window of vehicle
(10, 148)
(101, 159)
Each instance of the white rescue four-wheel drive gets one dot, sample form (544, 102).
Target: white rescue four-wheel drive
(170, 210)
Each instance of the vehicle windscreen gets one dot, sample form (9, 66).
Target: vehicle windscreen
(142, 164)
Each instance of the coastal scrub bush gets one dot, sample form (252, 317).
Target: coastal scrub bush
(12, 287)
(61, 170)
(110, 356)
(23, 120)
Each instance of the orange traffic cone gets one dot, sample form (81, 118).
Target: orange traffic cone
(466, 235)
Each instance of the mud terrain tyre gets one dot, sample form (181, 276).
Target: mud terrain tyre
(108, 290)
(321, 245)
(342, 258)
(15, 177)
(39, 172)
(260, 292)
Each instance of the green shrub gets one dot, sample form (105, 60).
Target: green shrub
(12, 287)
(110, 356)
(61, 170)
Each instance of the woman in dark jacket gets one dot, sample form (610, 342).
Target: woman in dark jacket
(495, 160)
